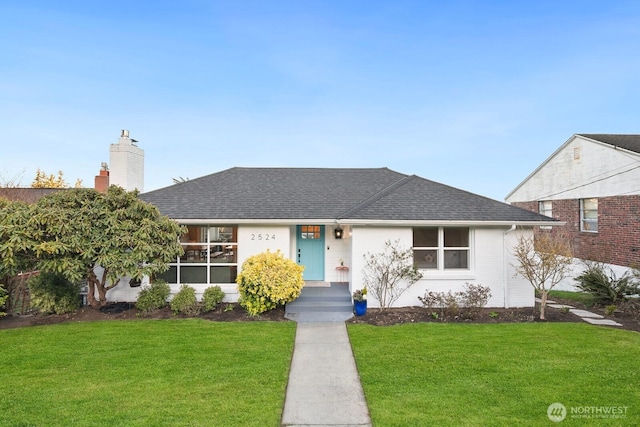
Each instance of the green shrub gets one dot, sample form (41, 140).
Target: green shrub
(211, 297)
(268, 280)
(4, 295)
(604, 286)
(185, 302)
(52, 293)
(153, 297)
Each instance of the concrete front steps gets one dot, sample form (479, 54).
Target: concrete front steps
(321, 302)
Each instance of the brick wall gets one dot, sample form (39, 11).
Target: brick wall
(618, 238)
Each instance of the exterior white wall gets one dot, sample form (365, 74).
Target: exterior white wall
(491, 265)
(126, 164)
(337, 254)
(255, 239)
(491, 262)
(519, 292)
(577, 170)
(122, 292)
(578, 267)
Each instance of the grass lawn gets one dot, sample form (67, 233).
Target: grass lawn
(145, 373)
(495, 375)
(582, 297)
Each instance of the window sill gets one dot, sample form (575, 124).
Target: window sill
(447, 275)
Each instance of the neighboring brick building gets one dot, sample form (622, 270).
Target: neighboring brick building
(592, 182)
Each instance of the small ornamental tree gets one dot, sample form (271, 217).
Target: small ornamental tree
(388, 274)
(544, 262)
(267, 280)
(74, 231)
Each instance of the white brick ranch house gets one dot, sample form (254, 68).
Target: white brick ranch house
(328, 219)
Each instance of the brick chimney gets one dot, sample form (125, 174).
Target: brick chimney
(102, 180)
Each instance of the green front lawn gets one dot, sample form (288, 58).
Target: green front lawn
(498, 375)
(145, 373)
(581, 297)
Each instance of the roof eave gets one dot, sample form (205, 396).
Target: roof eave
(363, 222)
(472, 223)
(245, 221)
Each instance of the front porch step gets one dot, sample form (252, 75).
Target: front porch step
(305, 307)
(323, 302)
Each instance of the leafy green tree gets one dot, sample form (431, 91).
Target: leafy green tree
(72, 232)
(14, 238)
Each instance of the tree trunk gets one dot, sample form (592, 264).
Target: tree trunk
(102, 295)
(543, 303)
(91, 299)
(95, 284)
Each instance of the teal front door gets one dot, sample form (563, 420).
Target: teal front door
(310, 251)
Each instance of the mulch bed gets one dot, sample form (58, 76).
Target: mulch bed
(392, 316)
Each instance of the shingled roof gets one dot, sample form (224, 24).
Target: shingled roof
(328, 194)
(628, 142)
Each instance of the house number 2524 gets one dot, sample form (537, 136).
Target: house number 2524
(261, 236)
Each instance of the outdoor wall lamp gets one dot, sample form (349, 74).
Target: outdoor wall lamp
(338, 232)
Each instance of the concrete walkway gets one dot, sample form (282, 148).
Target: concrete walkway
(324, 387)
(587, 316)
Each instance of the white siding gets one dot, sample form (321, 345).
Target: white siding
(372, 240)
(255, 239)
(491, 265)
(123, 292)
(335, 251)
(579, 169)
(578, 266)
(491, 262)
(520, 292)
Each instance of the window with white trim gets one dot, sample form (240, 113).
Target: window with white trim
(589, 215)
(545, 207)
(210, 256)
(441, 248)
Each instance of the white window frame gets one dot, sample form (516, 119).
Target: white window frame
(441, 249)
(210, 243)
(545, 207)
(588, 225)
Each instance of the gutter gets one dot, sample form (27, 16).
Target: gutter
(505, 268)
(365, 222)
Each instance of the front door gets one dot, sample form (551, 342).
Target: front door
(310, 243)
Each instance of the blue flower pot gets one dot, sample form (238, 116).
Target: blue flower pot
(360, 307)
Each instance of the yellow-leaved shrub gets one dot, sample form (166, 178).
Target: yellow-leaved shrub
(267, 280)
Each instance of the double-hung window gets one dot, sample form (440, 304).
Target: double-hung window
(589, 215)
(441, 248)
(545, 207)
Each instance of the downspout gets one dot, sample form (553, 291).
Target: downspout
(505, 281)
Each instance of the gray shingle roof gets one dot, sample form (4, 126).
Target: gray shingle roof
(628, 142)
(327, 194)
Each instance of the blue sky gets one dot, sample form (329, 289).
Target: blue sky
(473, 94)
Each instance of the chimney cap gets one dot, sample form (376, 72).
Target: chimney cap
(125, 133)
